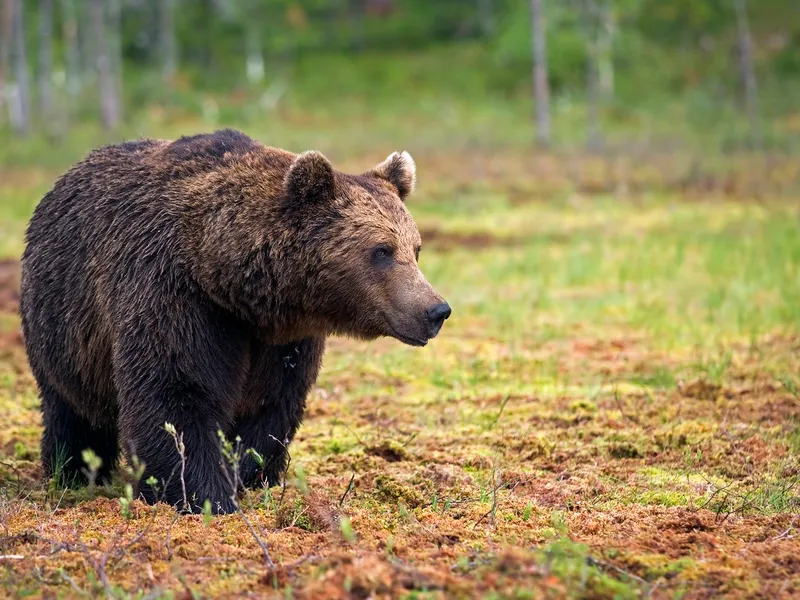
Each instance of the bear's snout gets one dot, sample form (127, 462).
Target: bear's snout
(436, 316)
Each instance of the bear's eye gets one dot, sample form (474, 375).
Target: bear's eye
(382, 255)
(416, 252)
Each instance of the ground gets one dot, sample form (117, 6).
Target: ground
(612, 411)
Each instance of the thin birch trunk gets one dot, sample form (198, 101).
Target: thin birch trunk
(109, 106)
(46, 61)
(589, 24)
(6, 17)
(69, 31)
(21, 102)
(541, 88)
(747, 70)
(166, 40)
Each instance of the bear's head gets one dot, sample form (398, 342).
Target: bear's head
(362, 249)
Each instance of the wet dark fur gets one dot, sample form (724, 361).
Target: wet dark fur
(169, 282)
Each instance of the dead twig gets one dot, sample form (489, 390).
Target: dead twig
(285, 470)
(496, 489)
(72, 583)
(233, 457)
(621, 408)
(492, 511)
(500, 412)
(347, 490)
(168, 537)
(18, 475)
(785, 535)
(607, 566)
(177, 437)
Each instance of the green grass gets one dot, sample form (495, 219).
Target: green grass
(612, 410)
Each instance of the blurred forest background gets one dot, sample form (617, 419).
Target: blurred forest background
(618, 75)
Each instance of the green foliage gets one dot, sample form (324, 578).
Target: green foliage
(585, 577)
(346, 529)
(684, 38)
(464, 61)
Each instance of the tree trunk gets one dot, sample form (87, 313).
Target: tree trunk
(486, 17)
(355, 19)
(46, 61)
(541, 88)
(5, 50)
(115, 50)
(255, 56)
(605, 50)
(69, 29)
(20, 103)
(166, 40)
(747, 70)
(109, 104)
(592, 104)
(590, 25)
(87, 41)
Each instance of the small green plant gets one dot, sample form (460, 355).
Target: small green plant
(402, 510)
(526, 514)
(133, 474)
(256, 457)
(207, 515)
(300, 479)
(60, 460)
(790, 385)
(715, 368)
(346, 529)
(93, 464)
(152, 482)
(125, 502)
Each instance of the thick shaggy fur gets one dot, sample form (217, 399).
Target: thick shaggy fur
(195, 282)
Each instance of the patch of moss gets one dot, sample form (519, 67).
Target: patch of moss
(624, 450)
(389, 450)
(389, 489)
(656, 566)
(684, 433)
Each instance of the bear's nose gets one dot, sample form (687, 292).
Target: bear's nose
(436, 316)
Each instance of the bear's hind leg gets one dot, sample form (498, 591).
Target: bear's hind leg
(66, 435)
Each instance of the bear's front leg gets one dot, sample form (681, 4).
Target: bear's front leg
(183, 479)
(187, 370)
(273, 405)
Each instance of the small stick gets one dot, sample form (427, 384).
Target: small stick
(347, 490)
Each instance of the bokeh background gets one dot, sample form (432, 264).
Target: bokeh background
(608, 198)
(621, 75)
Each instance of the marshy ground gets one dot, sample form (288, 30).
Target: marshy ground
(613, 411)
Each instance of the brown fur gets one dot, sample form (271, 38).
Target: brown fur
(195, 282)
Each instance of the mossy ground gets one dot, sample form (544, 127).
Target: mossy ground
(613, 411)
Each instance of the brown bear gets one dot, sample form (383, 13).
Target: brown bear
(195, 282)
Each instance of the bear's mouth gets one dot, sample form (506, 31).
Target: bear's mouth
(406, 339)
(411, 341)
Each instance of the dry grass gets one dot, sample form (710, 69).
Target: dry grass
(612, 411)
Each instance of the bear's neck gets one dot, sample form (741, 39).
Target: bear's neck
(248, 262)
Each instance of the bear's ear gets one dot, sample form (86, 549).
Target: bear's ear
(400, 170)
(310, 178)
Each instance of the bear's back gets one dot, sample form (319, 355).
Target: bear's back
(117, 224)
(211, 147)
